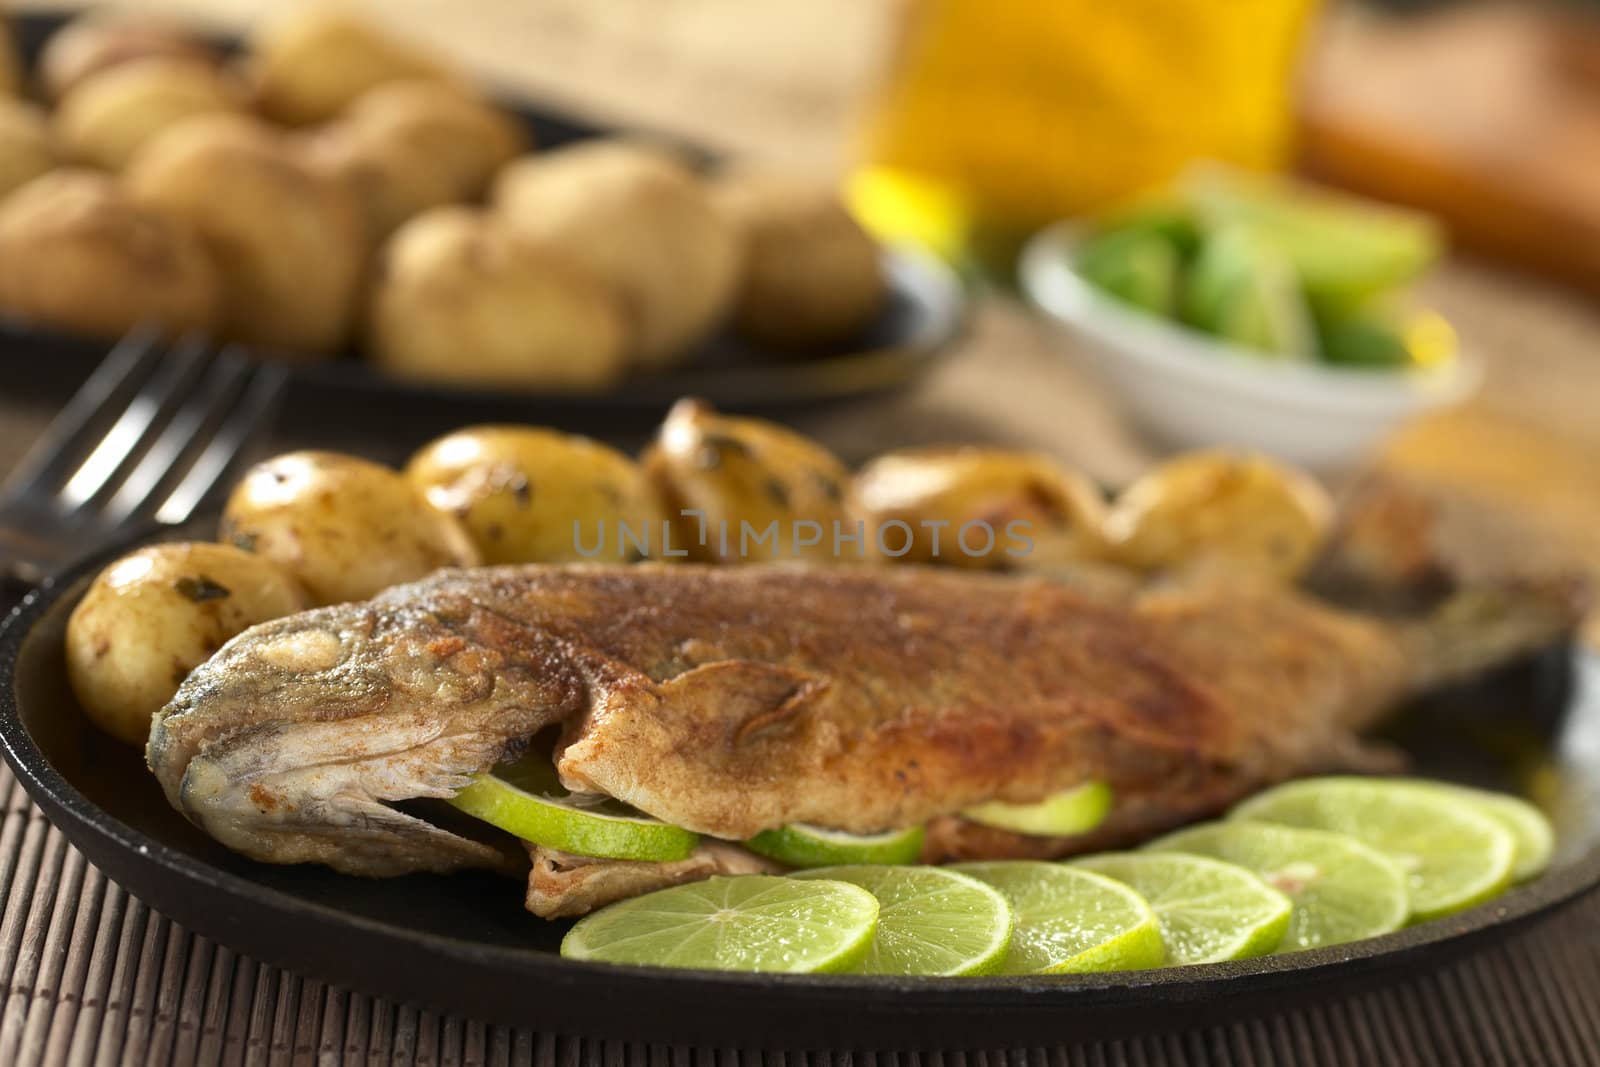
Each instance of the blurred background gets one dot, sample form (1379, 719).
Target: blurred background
(967, 127)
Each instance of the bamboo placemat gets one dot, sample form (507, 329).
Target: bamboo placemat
(94, 977)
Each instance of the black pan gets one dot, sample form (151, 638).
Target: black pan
(462, 943)
(923, 315)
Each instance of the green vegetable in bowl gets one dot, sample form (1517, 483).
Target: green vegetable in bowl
(1139, 267)
(1243, 289)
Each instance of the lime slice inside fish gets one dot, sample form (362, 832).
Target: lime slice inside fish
(1209, 911)
(1535, 840)
(1452, 855)
(1075, 811)
(800, 845)
(750, 923)
(1341, 889)
(931, 921)
(526, 799)
(1071, 921)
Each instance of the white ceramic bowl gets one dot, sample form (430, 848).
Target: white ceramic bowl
(1192, 390)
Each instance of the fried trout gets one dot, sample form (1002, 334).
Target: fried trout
(733, 700)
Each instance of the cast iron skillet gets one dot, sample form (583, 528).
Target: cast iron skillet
(922, 317)
(463, 944)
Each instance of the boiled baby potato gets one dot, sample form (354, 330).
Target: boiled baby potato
(460, 300)
(287, 241)
(109, 116)
(311, 64)
(642, 224)
(77, 254)
(534, 496)
(464, 136)
(392, 179)
(1218, 508)
(811, 274)
(152, 617)
(978, 507)
(346, 528)
(744, 476)
(101, 40)
(26, 150)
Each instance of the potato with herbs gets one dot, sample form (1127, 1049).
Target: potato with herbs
(465, 137)
(1224, 510)
(812, 275)
(109, 116)
(311, 64)
(102, 40)
(346, 528)
(26, 150)
(287, 241)
(460, 300)
(762, 491)
(153, 616)
(641, 224)
(79, 255)
(539, 496)
(978, 507)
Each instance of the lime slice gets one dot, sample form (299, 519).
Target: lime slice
(800, 845)
(1138, 267)
(1071, 921)
(1535, 840)
(1244, 290)
(1341, 889)
(752, 923)
(931, 921)
(1209, 910)
(1453, 857)
(1074, 812)
(1344, 249)
(526, 799)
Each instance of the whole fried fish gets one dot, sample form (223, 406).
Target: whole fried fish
(733, 700)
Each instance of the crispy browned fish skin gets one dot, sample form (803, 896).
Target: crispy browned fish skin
(736, 699)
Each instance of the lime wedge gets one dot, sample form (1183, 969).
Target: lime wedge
(1453, 857)
(931, 921)
(1071, 921)
(1075, 811)
(1138, 267)
(752, 923)
(1341, 889)
(800, 845)
(1535, 840)
(1209, 910)
(1244, 290)
(526, 799)
(1367, 337)
(1344, 249)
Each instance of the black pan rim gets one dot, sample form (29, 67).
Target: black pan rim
(98, 830)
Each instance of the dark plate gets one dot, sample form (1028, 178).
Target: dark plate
(922, 316)
(463, 944)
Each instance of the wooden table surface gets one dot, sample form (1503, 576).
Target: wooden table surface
(777, 81)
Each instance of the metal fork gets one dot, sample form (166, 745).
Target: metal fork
(149, 435)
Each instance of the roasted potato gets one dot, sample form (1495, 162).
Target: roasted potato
(811, 274)
(640, 223)
(1220, 509)
(287, 241)
(152, 617)
(101, 40)
(109, 116)
(758, 491)
(460, 300)
(463, 135)
(989, 508)
(25, 146)
(311, 64)
(346, 528)
(77, 254)
(533, 496)
(391, 179)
